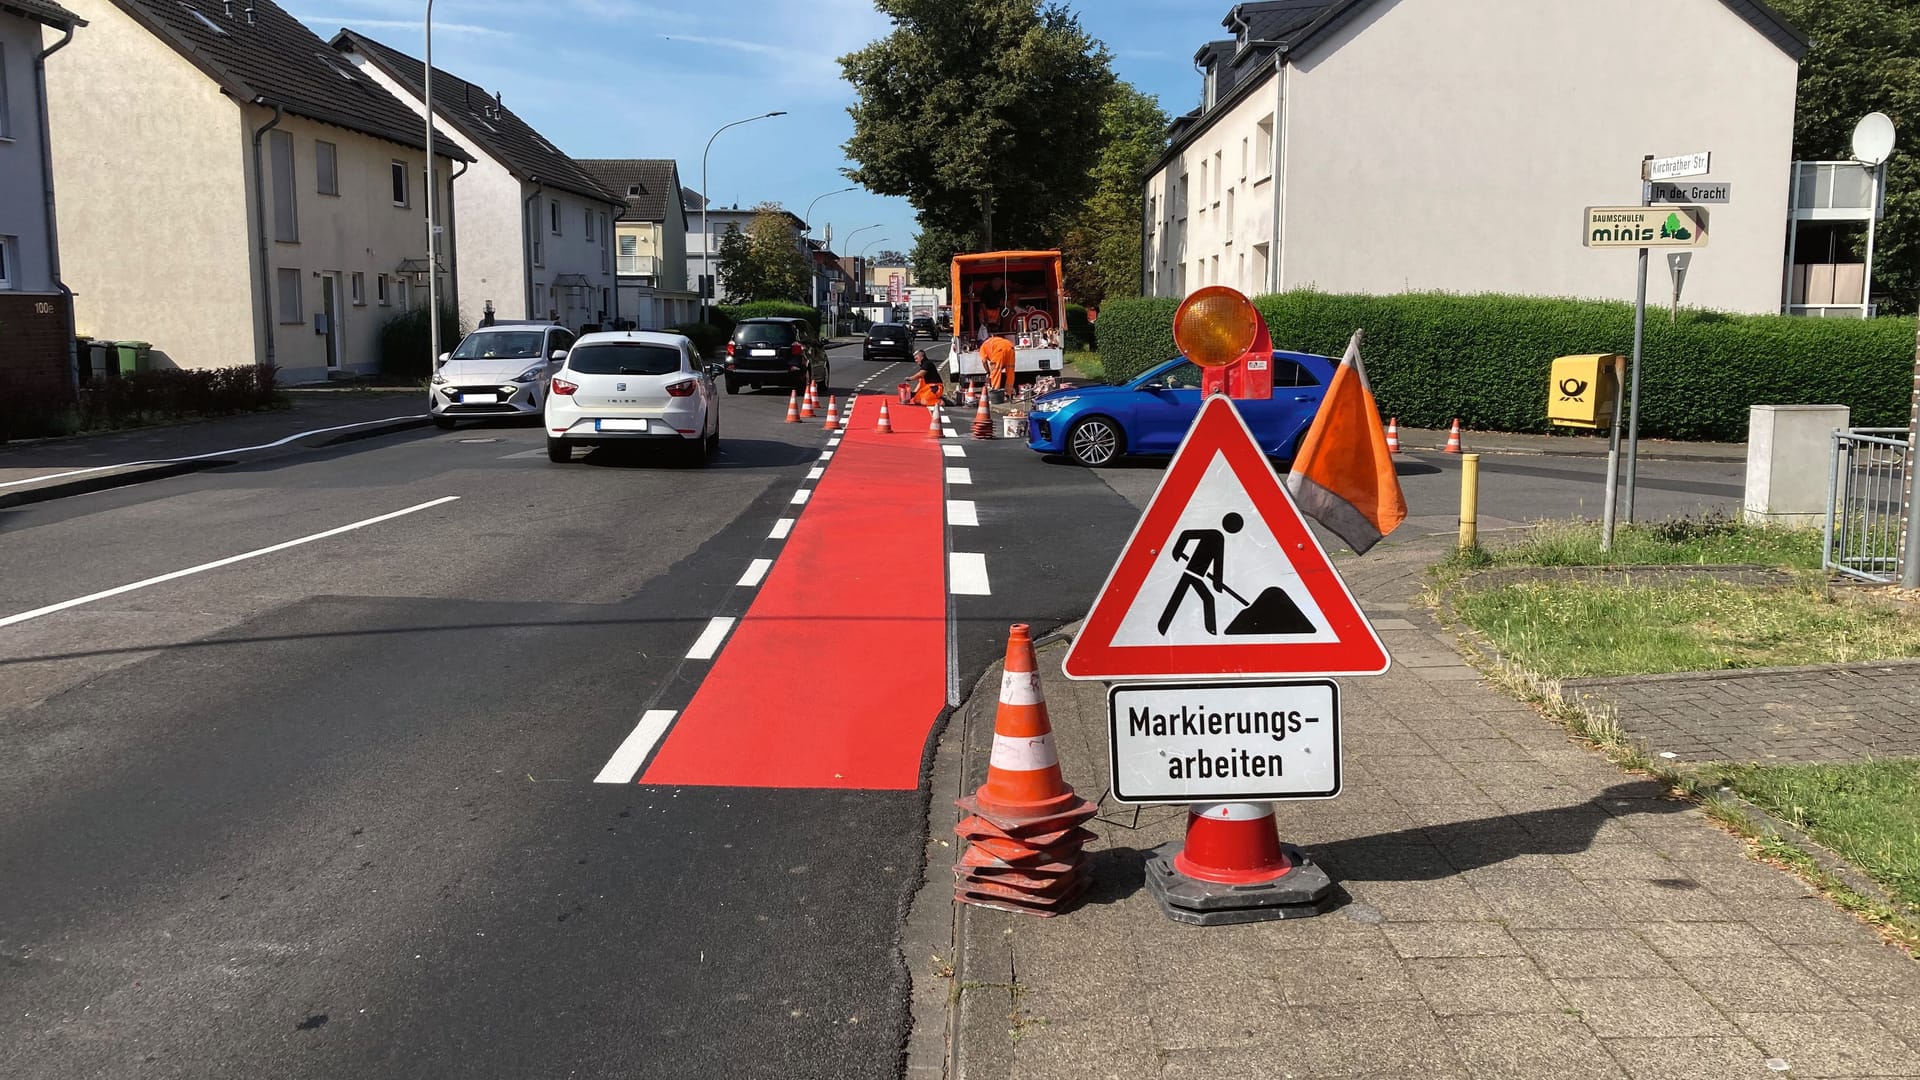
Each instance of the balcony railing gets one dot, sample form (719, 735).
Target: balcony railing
(643, 265)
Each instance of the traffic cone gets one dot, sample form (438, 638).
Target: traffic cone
(966, 396)
(833, 414)
(1232, 868)
(983, 421)
(807, 402)
(1453, 438)
(885, 424)
(793, 407)
(1393, 435)
(933, 421)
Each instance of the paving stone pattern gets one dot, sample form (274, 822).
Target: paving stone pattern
(1842, 712)
(1516, 907)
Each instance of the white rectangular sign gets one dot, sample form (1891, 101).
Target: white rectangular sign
(1224, 742)
(1694, 193)
(1673, 168)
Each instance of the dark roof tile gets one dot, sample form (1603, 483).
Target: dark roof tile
(43, 11)
(656, 178)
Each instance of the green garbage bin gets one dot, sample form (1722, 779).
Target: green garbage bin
(133, 356)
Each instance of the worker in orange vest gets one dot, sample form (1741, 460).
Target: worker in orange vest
(997, 354)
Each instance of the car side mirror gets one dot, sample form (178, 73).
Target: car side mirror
(445, 356)
(712, 371)
(559, 354)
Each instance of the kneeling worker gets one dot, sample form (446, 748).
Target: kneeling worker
(932, 388)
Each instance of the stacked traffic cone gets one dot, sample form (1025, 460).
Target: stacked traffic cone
(793, 407)
(1022, 827)
(885, 424)
(983, 421)
(1393, 435)
(1453, 438)
(833, 415)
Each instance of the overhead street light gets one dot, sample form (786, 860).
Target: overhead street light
(808, 216)
(706, 237)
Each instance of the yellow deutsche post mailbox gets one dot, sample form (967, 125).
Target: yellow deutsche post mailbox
(1581, 390)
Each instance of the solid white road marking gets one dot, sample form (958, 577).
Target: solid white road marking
(626, 761)
(959, 476)
(800, 497)
(953, 450)
(709, 641)
(780, 529)
(967, 574)
(213, 454)
(218, 563)
(756, 570)
(816, 472)
(962, 512)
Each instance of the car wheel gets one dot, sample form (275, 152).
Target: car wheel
(559, 451)
(867, 355)
(1095, 442)
(732, 386)
(444, 423)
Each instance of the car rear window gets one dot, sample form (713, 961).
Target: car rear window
(500, 344)
(885, 329)
(763, 334)
(624, 358)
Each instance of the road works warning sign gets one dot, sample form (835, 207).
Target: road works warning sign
(1223, 742)
(1223, 578)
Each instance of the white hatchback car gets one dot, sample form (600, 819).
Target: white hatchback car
(496, 371)
(633, 385)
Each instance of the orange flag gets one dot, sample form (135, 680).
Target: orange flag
(1343, 477)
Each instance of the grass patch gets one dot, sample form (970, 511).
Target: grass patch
(1868, 812)
(1570, 629)
(1711, 540)
(1087, 363)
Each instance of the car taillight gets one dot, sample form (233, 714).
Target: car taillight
(682, 389)
(729, 348)
(796, 350)
(563, 387)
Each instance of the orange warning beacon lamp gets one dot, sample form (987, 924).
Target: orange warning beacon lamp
(1219, 329)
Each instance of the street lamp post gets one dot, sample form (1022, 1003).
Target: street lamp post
(861, 281)
(861, 263)
(706, 237)
(433, 276)
(807, 237)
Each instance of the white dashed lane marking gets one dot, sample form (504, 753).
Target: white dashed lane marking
(816, 472)
(952, 450)
(967, 574)
(708, 644)
(780, 529)
(626, 761)
(800, 497)
(959, 476)
(826, 455)
(962, 512)
(756, 571)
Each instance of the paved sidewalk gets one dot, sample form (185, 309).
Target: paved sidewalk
(1517, 907)
(50, 468)
(1830, 712)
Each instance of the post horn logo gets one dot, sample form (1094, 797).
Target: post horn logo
(1571, 388)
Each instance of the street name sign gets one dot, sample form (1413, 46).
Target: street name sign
(1695, 193)
(1674, 168)
(1222, 577)
(1645, 227)
(1224, 742)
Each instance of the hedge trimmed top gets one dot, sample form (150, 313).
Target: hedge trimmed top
(1485, 359)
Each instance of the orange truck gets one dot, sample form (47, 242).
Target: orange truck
(1016, 295)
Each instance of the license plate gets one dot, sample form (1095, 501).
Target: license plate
(619, 425)
(762, 352)
(479, 399)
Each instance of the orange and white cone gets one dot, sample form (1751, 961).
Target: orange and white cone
(966, 397)
(933, 421)
(885, 424)
(1393, 435)
(1231, 844)
(793, 407)
(1453, 438)
(833, 414)
(807, 402)
(983, 420)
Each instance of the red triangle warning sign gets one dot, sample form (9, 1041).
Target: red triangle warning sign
(1222, 577)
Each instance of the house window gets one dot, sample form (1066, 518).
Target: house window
(400, 196)
(1243, 159)
(1203, 186)
(380, 290)
(553, 212)
(6, 121)
(603, 229)
(603, 257)
(539, 252)
(1217, 170)
(629, 254)
(359, 289)
(289, 299)
(1180, 204)
(588, 214)
(7, 257)
(404, 290)
(606, 302)
(1259, 267)
(1229, 222)
(1263, 148)
(286, 219)
(326, 168)
(1153, 219)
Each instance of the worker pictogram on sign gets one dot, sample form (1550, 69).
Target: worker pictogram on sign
(1222, 577)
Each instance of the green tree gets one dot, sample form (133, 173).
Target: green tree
(765, 261)
(980, 113)
(1101, 248)
(889, 257)
(1866, 58)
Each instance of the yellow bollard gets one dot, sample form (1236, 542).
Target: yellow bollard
(1469, 501)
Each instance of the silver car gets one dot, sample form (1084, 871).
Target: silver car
(496, 371)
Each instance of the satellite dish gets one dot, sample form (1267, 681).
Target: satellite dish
(1873, 138)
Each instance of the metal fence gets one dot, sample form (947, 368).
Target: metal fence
(1865, 490)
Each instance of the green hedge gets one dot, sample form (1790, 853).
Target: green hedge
(769, 309)
(1080, 332)
(706, 337)
(406, 340)
(1485, 359)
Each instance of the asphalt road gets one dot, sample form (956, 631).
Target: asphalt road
(331, 809)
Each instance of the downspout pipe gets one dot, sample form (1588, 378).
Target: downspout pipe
(529, 216)
(453, 247)
(1278, 165)
(260, 226)
(46, 186)
(612, 240)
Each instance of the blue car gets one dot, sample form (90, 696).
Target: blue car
(1096, 425)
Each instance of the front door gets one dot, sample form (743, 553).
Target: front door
(330, 307)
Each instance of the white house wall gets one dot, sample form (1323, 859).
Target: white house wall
(1222, 235)
(1437, 145)
(570, 251)
(154, 212)
(23, 212)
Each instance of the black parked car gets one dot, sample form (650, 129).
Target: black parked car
(775, 352)
(924, 324)
(889, 341)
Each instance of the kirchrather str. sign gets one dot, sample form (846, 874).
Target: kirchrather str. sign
(1253, 741)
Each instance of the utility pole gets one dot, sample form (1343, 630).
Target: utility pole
(1910, 553)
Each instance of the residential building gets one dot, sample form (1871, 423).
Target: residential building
(538, 241)
(703, 252)
(650, 236)
(1378, 147)
(36, 313)
(234, 192)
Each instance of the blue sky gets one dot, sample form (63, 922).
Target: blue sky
(629, 78)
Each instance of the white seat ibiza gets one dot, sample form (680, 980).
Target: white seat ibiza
(631, 386)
